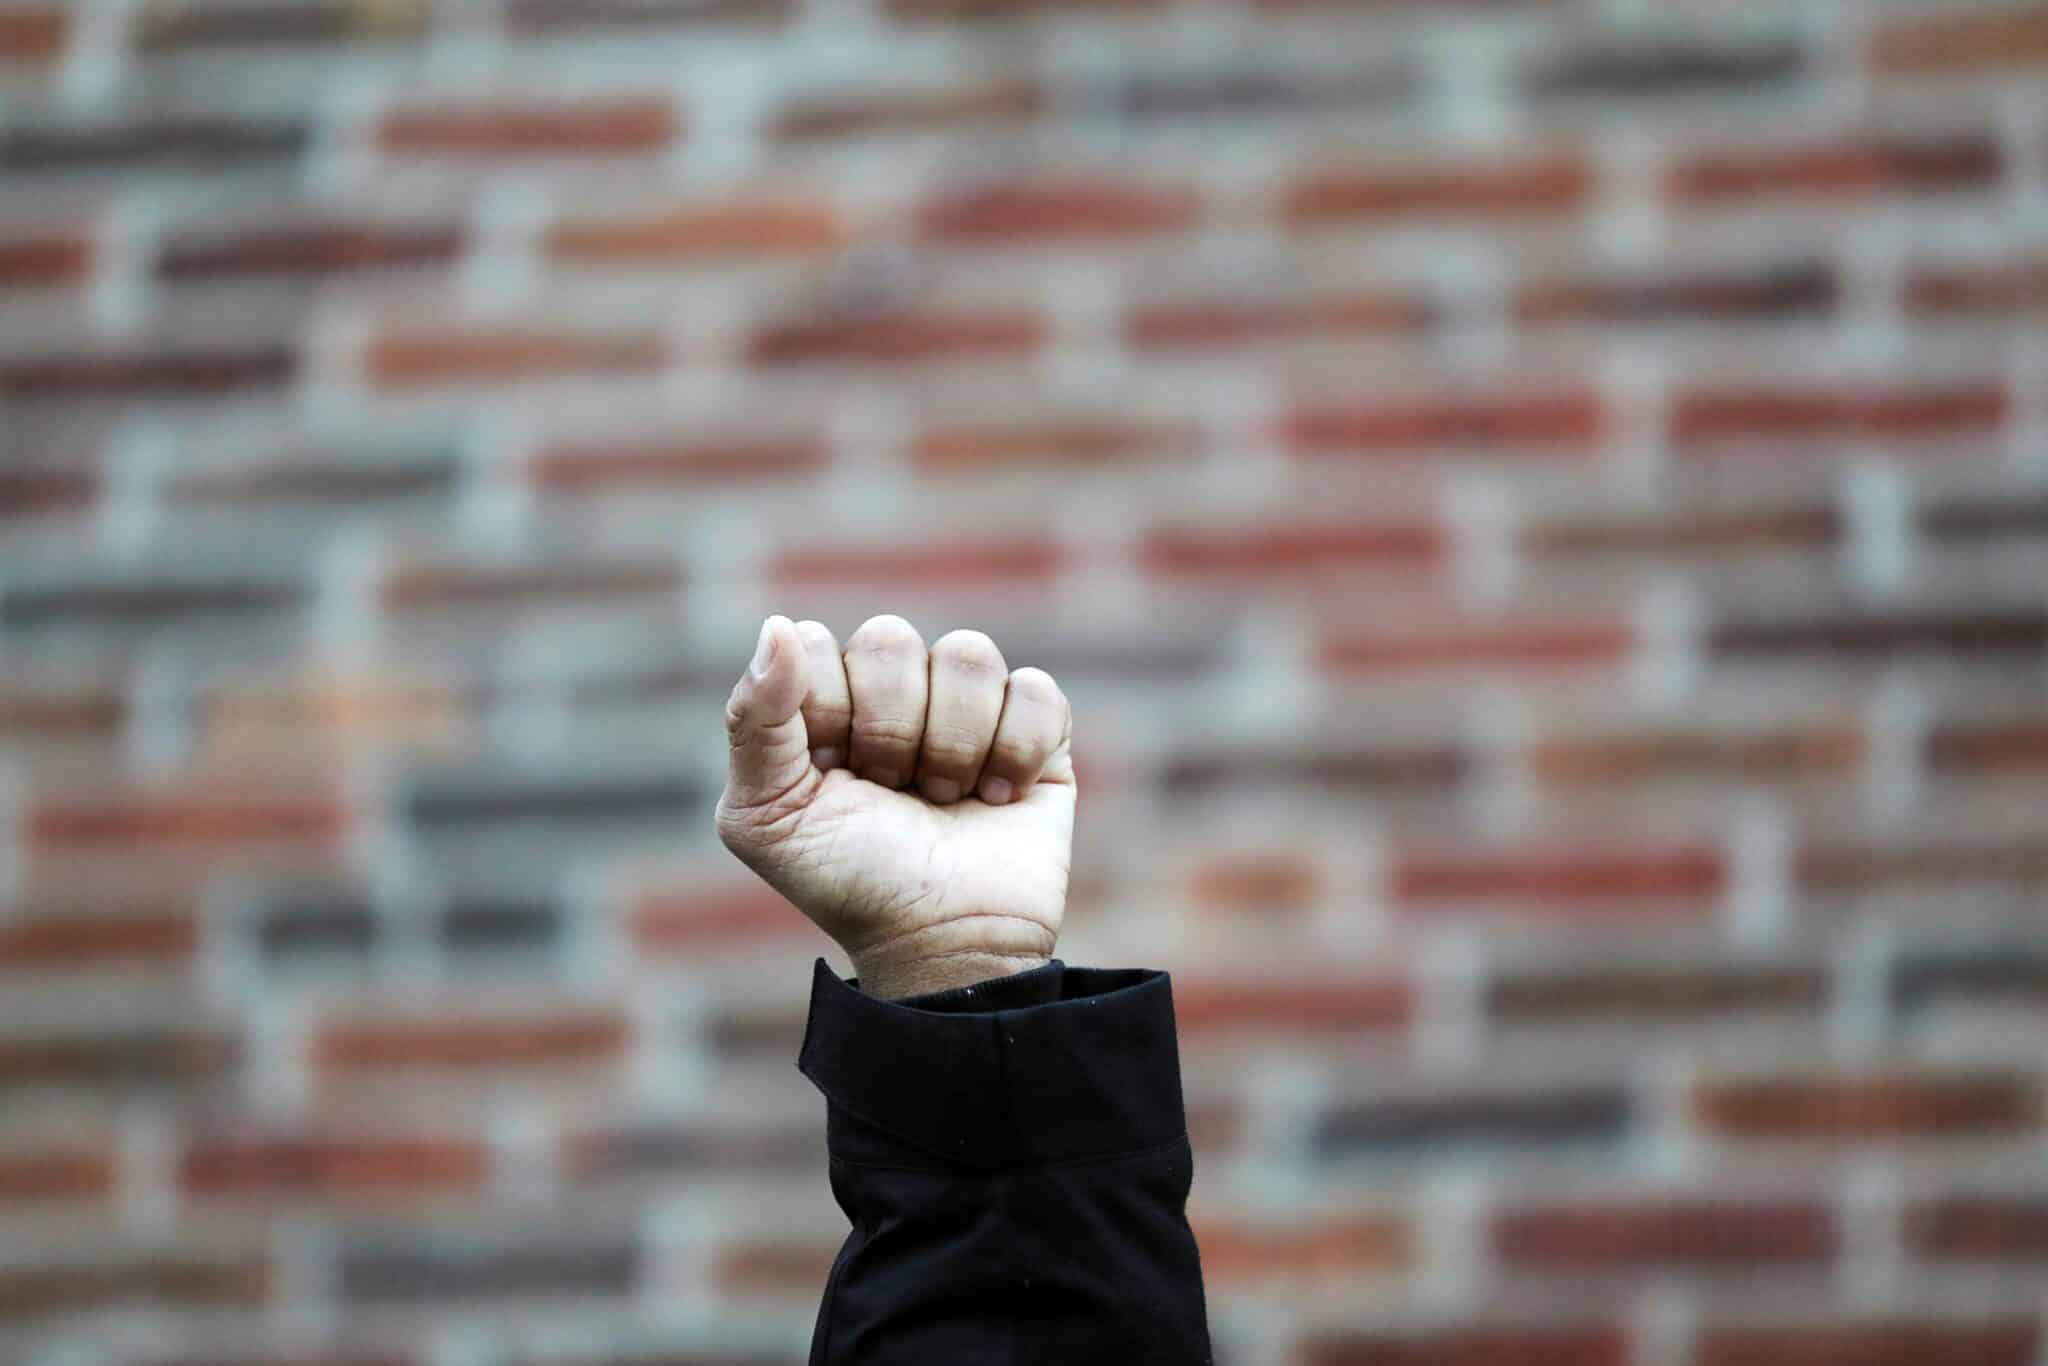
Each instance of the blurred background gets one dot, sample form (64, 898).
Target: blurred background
(1540, 506)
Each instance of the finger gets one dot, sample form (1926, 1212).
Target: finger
(967, 680)
(1034, 730)
(828, 706)
(768, 753)
(885, 679)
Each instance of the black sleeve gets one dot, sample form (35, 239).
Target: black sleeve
(1014, 1159)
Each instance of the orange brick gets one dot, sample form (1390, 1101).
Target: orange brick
(264, 1170)
(1545, 187)
(1565, 422)
(1963, 44)
(621, 127)
(192, 818)
(1078, 443)
(66, 1174)
(707, 230)
(92, 941)
(417, 360)
(684, 919)
(461, 1044)
(1358, 1244)
(1840, 1110)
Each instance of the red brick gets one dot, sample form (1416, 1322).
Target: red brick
(1854, 1109)
(1298, 550)
(1796, 291)
(1348, 1246)
(1690, 995)
(1963, 44)
(1259, 882)
(1845, 869)
(168, 26)
(459, 1044)
(1564, 880)
(1224, 323)
(683, 919)
(1894, 1342)
(168, 1282)
(2018, 287)
(826, 117)
(679, 234)
(1522, 646)
(79, 941)
(309, 249)
(32, 35)
(417, 360)
(430, 586)
(898, 339)
(66, 1174)
(168, 374)
(1071, 443)
(200, 818)
(266, 1170)
(1843, 170)
(622, 127)
(630, 465)
(1543, 187)
(1298, 1006)
(1601, 762)
(1693, 1234)
(1571, 422)
(1077, 210)
(39, 261)
(978, 562)
(1533, 1345)
(1701, 417)
(2009, 1228)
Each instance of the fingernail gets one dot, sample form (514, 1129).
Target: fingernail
(996, 791)
(830, 756)
(942, 790)
(764, 650)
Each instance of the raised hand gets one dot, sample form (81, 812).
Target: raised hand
(917, 804)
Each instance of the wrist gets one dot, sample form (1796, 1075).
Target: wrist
(894, 980)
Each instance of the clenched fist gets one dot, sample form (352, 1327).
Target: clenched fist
(917, 804)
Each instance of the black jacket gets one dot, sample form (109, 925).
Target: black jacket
(1014, 1159)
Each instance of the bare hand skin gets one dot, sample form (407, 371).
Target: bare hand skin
(917, 804)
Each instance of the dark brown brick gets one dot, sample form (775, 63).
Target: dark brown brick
(1225, 323)
(1803, 291)
(72, 1174)
(33, 35)
(135, 1060)
(629, 465)
(1603, 762)
(309, 249)
(1532, 1345)
(1843, 170)
(1058, 212)
(169, 26)
(979, 562)
(1565, 422)
(896, 339)
(160, 374)
(2008, 1228)
(1313, 550)
(1970, 45)
(968, 449)
(1693, 1234)
(1695, 996)
(172, 1282)
(1525, 646)
(842, 116)
(463, 1044)
(173, 144)
(343, 1168)
(565, 16)
(1769, 415)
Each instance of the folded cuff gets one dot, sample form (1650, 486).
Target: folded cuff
(1052, 1065)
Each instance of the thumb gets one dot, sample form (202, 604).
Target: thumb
(764, 725)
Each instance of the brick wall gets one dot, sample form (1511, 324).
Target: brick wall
(1542, 506)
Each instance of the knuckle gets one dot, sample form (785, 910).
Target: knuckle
(968, 652)
(890, 635)
(951, 747)
(885, 730)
